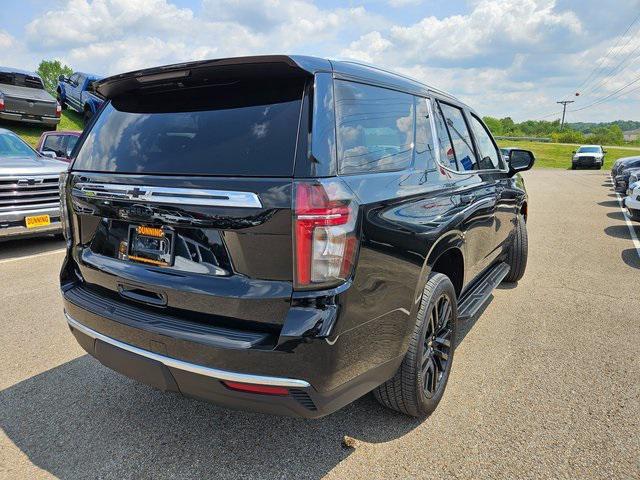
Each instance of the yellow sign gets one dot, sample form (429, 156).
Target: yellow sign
(37, 221)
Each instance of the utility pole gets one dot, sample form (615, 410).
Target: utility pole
(564, 110)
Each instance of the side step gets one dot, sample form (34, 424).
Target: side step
(476, 296)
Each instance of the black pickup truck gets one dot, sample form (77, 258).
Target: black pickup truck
(286, 234)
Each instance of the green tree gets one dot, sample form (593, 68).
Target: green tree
(493, 124)
(49, 71)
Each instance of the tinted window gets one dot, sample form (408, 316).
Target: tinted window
(460, 137)
(375, 128)
(447, 156)
(236, 129)
(21, 80)
(489, 156)
(74, 78)
(55, 143)
(424, 149)
(12, 146)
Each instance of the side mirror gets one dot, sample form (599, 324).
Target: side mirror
(62, 78)
(520, 160)
(48, 153)
(604, 151)
(574, 152)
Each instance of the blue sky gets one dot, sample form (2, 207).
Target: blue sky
(505, 57)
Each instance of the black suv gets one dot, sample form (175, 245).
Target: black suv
(285, 234)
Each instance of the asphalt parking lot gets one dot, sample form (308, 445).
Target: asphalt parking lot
(545, 383)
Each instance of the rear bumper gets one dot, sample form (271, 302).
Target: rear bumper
(12, 224)
(23, 117)
(196, 364)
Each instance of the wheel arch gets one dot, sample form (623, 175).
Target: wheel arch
(447, 247)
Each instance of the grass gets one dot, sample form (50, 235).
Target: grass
(70, 120)
(556, 155)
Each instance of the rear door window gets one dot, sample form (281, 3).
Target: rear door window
(447, 155)
(460, 137)
(238, 129)
(375, 128)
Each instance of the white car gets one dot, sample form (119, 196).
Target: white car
(632, 201)
(588, 156)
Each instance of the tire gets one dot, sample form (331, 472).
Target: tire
(431, 341)
(518, 252)
(62, 103)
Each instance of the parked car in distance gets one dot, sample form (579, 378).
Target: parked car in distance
(588, 156)
(76, 92)
(58, 144)
(286, 233)
(622, 173)
(29, 198)
(24, 99)
(632, 201)
(620, 163)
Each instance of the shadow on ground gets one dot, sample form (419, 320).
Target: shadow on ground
(631, 258)
(616, 215)
(24, 247)
(609, 203)
(618, 231)
(81, 420)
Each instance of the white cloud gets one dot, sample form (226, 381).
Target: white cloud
(505, 57)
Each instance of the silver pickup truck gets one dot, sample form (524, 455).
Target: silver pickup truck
(24, 99)
(29, 195)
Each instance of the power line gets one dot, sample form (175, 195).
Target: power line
(602, 59)
(603, 99)
(610, 73)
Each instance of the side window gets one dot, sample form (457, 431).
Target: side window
(375, 128)
(55, 143)
(460, 137)
(73, 79)
(489, 156)
(81, 80)
(447, 156)
(424, 149)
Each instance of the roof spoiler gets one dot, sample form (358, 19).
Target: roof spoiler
(210, 72)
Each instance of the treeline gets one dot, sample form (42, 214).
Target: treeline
(600, 134)
(589, 127)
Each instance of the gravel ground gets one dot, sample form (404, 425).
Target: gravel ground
(545, 384)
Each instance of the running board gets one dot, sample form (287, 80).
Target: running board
(474, 298)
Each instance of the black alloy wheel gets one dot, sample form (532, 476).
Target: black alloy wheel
(437, 346)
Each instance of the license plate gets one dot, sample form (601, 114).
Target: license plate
(37, 221)
(150, 245)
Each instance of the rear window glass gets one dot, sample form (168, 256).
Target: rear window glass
(239, 128)
(21, 80)
(375, 128)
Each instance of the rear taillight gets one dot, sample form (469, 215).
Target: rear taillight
(58, 109)
(1, 102)
(325, 219)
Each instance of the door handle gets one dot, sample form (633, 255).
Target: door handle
(466, 199)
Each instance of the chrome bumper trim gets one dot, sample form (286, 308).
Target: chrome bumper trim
(171, 195)
(186, 366)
